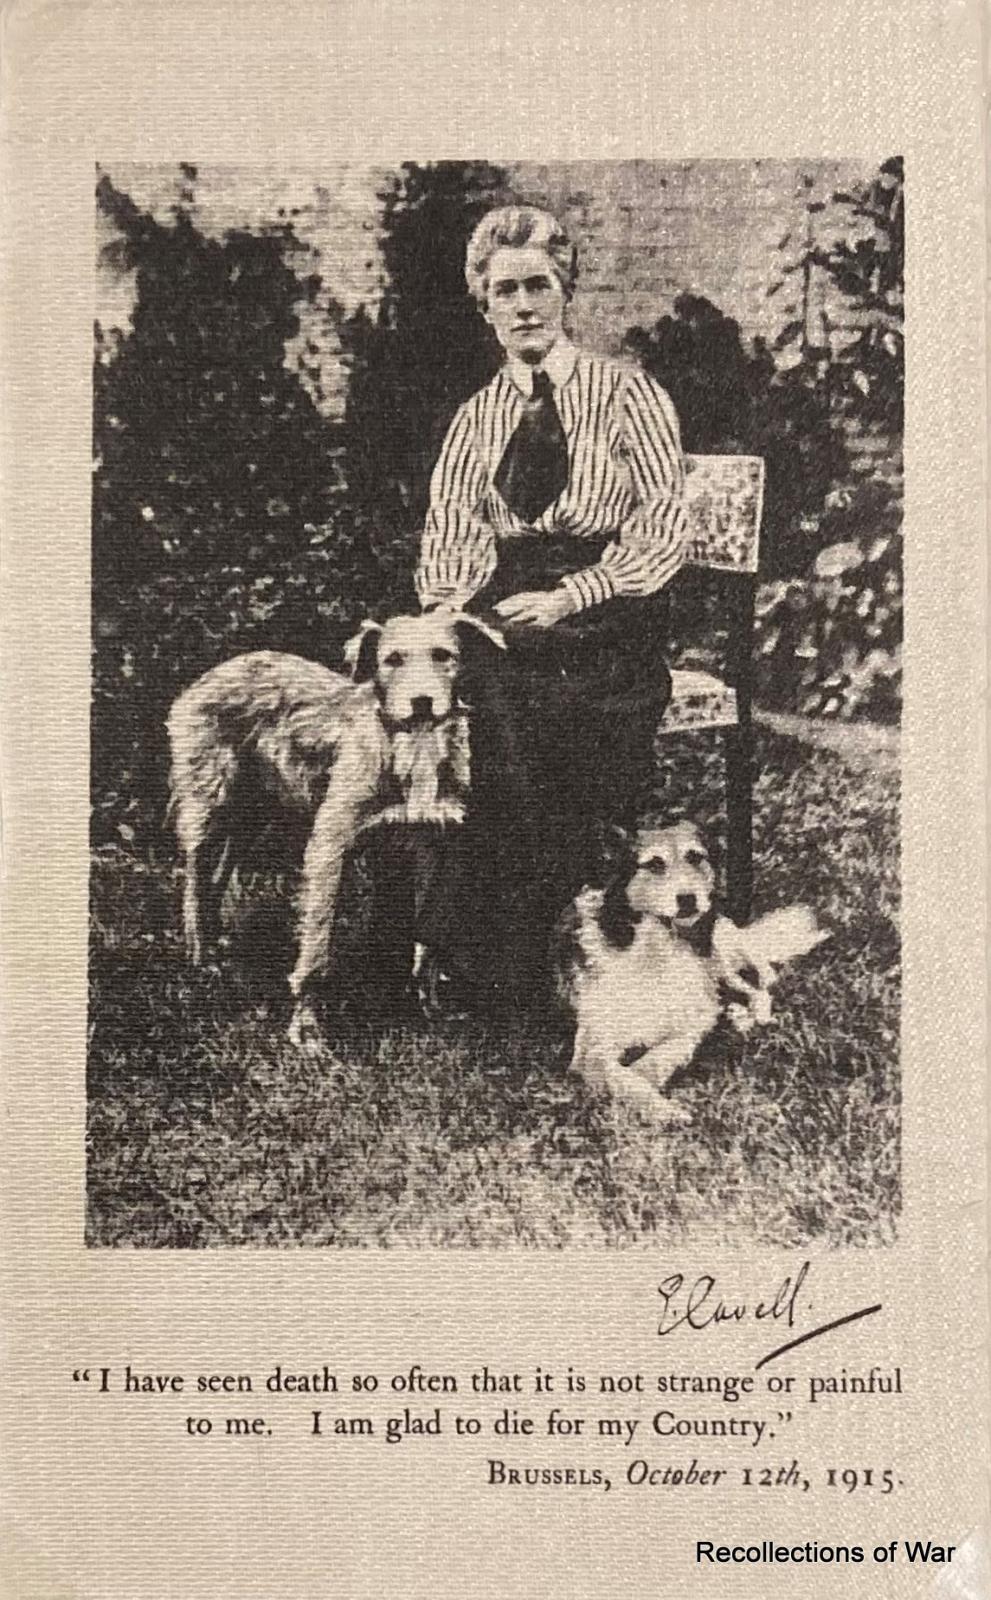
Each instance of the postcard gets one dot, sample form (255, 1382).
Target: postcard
(493, 784)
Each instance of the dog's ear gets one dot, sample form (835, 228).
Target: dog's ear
(695, 835)
(479, 644)
(361, 652)
(713, 846)
(615, 865)
(465, 625)
(614, 854)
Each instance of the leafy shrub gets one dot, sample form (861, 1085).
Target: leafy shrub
(219, 518)
(830, 644)
(733, 401)
(829, 619)
(868, 374)
(207, 448)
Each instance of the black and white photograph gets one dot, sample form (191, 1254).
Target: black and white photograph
(496, 688)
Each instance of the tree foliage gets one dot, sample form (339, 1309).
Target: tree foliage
(218, 517)
(208, 449)
(869, 369)
(731, 399)
(425, 350)
(815, 406)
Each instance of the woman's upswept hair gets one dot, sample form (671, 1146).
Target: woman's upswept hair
(513, 226)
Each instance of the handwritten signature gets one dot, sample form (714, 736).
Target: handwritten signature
(700, 1305)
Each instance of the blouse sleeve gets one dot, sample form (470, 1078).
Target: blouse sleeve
(458, 546)
(650, 545)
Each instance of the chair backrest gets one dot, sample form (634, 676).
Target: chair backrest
(724, 499)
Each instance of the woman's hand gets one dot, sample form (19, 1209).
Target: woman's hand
(541, 608)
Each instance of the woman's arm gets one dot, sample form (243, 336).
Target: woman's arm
(650, 545)
(458, 547)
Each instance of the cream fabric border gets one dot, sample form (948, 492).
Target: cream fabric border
(110, 1503)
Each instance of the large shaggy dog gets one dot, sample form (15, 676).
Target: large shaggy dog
(648, 968)
(338, 754)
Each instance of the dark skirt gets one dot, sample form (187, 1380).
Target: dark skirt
(562, 747)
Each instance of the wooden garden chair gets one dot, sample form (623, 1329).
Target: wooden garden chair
(724, 500)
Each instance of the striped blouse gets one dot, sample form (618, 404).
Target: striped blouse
(625, 480)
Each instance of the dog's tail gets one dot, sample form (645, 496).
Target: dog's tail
(783, 936)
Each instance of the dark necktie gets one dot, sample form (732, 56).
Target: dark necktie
(534, 466)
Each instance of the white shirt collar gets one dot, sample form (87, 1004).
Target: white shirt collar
(558, 363)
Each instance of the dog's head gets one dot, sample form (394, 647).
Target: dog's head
(662, 873)
(415, 664)
(673, 877)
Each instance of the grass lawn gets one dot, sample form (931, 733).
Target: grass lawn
(206, 1128)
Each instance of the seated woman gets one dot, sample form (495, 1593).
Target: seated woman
(556, 503)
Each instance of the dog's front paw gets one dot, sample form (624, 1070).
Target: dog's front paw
(741, 1018)
(657, 1110)
(671, 1113)
(305, 1032)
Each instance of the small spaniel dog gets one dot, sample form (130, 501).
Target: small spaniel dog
(337, 755)
(648, 968)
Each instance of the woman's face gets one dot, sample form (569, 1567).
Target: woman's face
(525, 301)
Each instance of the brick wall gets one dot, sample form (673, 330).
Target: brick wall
(649, 230)
(646, 231)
